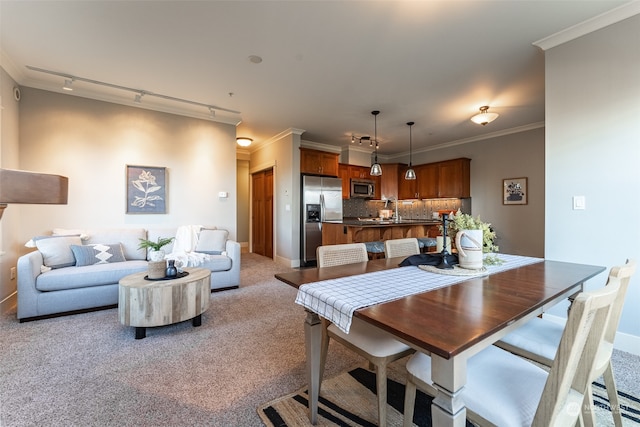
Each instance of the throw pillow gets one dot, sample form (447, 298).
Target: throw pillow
(212, 242)
(56, 250)
(97, 254)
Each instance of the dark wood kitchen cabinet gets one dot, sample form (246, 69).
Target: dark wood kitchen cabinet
(318, 162)
(454, 178)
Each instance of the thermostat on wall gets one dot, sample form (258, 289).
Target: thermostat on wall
(223, 194)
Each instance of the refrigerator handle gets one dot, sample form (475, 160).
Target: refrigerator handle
(321, 207)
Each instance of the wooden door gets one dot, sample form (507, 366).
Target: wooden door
(262, 213)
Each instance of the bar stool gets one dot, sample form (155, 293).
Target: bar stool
(375, 250)
(426, 242)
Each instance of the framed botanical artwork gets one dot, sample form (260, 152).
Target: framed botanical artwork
(514, 191)
(146, 190)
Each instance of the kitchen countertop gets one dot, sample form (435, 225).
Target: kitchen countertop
(376, 222)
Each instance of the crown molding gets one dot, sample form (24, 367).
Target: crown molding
(590, 25)
(320, 146)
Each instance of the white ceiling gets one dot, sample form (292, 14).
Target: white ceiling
(326, 64)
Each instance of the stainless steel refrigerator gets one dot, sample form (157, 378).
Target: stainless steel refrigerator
(321, 201)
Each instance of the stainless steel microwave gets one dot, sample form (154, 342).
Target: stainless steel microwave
(362, 188)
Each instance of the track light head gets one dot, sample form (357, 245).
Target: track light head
(138, 98)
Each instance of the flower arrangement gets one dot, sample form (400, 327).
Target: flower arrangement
(462, 221)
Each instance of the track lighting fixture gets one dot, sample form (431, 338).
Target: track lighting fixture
(67, 85)
(484, 116)
(376, 169)
(69, 79)
(360, 139)
(410, 173)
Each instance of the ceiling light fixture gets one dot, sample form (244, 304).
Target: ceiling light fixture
(410, 173)
(484, 116)
(360, 139)
(243, 141)
(67, 84)
(69, 79)
(376, 169)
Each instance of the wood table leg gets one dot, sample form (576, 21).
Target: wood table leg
(313, 340)
(449, 377)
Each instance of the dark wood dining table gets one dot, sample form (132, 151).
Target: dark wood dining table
(451, 323)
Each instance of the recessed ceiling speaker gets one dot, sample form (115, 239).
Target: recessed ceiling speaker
(16, 93)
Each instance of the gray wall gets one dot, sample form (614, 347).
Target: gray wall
(593, 150)
(520, 228)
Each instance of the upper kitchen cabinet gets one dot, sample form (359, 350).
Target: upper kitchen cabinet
(389, 182)
(318, 162)
(447, 179)
(454, 178)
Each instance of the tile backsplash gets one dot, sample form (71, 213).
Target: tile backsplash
(408, 209)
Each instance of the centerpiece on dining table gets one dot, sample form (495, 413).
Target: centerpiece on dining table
(472, 238)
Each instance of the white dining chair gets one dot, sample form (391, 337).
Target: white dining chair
(539, 338)
(401, 247)
(377, 346)
(503, 389)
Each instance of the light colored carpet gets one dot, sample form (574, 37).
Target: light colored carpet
(88, 370)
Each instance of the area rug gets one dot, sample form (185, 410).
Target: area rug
(350, 400)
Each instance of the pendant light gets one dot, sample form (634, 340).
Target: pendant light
(410, 173)
(376, 169)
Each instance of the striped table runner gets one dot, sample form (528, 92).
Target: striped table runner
(337, 299)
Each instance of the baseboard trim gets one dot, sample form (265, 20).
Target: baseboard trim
(9, 303)
(624, 342)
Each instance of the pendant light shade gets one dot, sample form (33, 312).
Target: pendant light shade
(410, 174)
(484, 116)
(376, 169)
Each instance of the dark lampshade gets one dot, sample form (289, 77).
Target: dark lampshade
(32, 188)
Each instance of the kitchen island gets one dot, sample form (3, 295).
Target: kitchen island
(375, 230)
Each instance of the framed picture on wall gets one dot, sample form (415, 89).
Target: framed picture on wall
(146, 190)
(514, 191)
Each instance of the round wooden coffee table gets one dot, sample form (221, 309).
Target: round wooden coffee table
(144, 303)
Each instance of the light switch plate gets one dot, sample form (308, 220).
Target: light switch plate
(223, 194)
(579, 203)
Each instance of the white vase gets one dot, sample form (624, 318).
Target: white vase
(469, 245)
(156, 256)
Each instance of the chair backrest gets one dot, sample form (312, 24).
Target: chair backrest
(401, 247)
(348, 253)
(623, 273)
(570, 373)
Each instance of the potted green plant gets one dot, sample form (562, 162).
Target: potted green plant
(156, 253)
(461, 221)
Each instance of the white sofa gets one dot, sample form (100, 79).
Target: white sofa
(71, 287)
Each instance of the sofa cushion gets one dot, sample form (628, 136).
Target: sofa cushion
(217, 263)
(97, 254)
(87, 276)
(212, 242)
(129, 238)
(56, 250)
